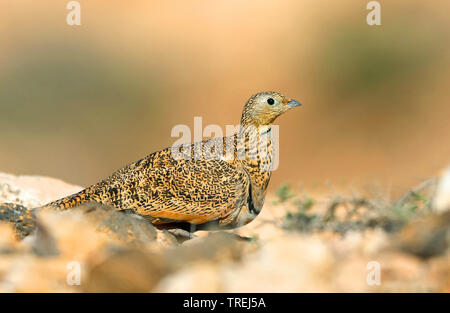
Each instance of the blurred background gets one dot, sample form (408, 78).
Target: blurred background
(79, 102)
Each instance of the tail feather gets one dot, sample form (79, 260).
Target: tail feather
(71, 201)
(24, 220)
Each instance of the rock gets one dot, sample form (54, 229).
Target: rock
(75, 236)
(350, 275)
(33, 191)
(80, 237)
(122, 252)
(401, 273)
(426, 237)
(217, 247)
(203, 276)
(165, 238)
(126, 227)
(292, 263)
(29, 273)
(442, 197)
(118, 269)
(24, 220)
(43, 243)
(8, 240)
(375, 242)
(439, 274)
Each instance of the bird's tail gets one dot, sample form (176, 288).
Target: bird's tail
(24, 219)
(71, 201)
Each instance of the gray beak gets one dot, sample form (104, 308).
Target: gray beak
(293, 103)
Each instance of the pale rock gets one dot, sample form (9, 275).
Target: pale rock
(123, 269)
(290, 264)
(8, 239)
(442, 198)
(33, 191)
(375, 240)
(351, 275)
(203, 276)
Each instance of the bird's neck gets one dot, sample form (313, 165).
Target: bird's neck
(255, 151)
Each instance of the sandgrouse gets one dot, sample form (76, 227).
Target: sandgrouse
(175, 188)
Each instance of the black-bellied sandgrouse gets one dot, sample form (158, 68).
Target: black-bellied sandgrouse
(184, 187)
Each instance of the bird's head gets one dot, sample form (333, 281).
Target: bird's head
(264, 107)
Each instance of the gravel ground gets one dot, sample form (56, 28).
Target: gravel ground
(299, 243)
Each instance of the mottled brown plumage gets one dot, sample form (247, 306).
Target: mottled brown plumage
(197, 193)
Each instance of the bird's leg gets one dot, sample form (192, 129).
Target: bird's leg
(178, 232)
(181, 235)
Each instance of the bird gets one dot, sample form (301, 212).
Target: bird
(174, 188)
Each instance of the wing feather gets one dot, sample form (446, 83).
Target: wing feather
(194, 191)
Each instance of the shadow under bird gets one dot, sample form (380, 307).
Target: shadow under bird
(187, 193)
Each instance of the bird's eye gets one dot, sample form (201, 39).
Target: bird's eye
(270, 101)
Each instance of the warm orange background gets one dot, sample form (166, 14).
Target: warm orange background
(78, 103)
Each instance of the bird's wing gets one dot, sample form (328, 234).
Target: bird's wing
(186, 190)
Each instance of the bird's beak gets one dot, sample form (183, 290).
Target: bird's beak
(293, 103)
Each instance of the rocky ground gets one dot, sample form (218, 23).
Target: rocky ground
(300, 243)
